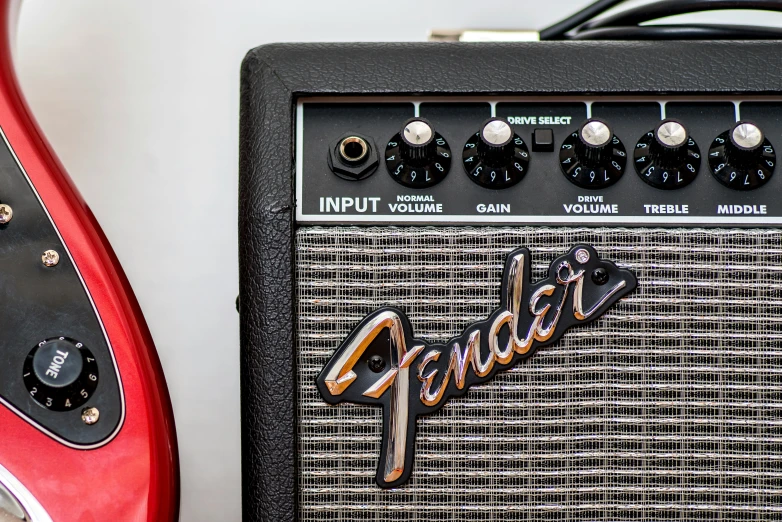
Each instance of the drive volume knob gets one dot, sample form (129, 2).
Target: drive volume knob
(667, 157)
(593, 157)
(742, 158)
(60, 373)
(495, 157)
(417, 156)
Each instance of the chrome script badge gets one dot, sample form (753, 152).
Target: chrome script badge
(382, 363)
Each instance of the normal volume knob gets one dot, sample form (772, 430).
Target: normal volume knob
(495, 157)
(742, 158)
(417, 156)
(667, 157)
(418, 146)
(60, 374)
(593, 157)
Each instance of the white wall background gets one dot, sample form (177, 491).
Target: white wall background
(140, 101)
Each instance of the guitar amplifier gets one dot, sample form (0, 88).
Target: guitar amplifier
(534, 281)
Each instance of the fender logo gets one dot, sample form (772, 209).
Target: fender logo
(374, 364)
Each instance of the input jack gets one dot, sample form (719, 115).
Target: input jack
(353, 157)
(353, 150)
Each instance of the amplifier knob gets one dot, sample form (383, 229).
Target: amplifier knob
(742, 158)
(667, 157)
(418, 156)
(593, 157)
(495, 157)
(60, 374)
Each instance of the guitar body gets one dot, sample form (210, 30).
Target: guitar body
(86, 426)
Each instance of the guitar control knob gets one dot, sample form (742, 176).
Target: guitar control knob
(495, 157)
(60, 374)
(418, 156)
(593, 157)
(667, 157)
(742, 158)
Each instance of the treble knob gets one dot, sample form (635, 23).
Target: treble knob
(667, 157)
(593, 157)
(418, 156)
(495, 157)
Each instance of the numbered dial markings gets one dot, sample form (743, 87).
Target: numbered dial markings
(500, 173)
(666, 168)
(741, 169)
(593, 168)
(419, 173)
(60, 374)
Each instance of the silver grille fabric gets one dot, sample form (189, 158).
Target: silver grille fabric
(667, 408)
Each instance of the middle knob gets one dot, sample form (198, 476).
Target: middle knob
(593, 157)
(495, 157)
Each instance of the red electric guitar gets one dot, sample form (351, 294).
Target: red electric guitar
(86, 427)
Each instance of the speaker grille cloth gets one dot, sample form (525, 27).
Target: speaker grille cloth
(667, 408)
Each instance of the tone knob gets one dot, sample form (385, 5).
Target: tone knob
(418, 156)
(667, 157)
(593, 157)
(742, 158)
(495, 157)
(60, 374)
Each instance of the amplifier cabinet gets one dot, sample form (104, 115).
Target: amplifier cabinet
(511, 281)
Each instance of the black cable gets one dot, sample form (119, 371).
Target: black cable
(558, 30)
(645, 13)
(680, 32)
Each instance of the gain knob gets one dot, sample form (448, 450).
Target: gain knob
(417, 156)
(742, 158)
(593, 157)
(495, 157)
(667, 157)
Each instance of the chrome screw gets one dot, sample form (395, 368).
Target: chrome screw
(376, 363)
(50, 258)
(6, 213)
(582, 256)
(90, 415)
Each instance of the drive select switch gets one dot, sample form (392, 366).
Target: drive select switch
(543, 140)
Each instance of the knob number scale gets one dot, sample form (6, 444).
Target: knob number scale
(593, 157)
(742, 158)
(667, 157)
(77, 390)
(495, 165)
(418, 156)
